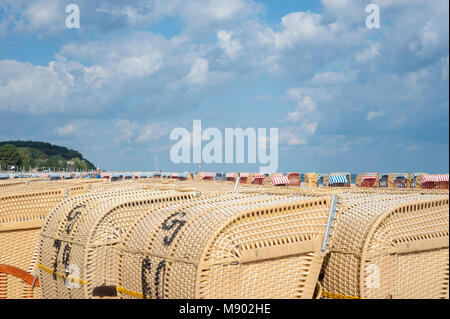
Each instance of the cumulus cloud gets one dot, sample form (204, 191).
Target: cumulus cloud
(302, 122)
(127, 131)
(227, 44)
(369, 53)
(32, 89)
(152, 132)
(300, 26)
(141, 65)
(305, 108)
(198, 73)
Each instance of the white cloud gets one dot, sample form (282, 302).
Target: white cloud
(290, 137)
(300, 26)
(303, 121)
(201, 15)
(198, 73)
(368, 54)
(372, 115)
(34, 89)
(75, 130)
(228, 45)
(305, 108)
(125, 131)
(66, 130)
(43, 17)
(330, 78)
(151, 132)
(141, 65)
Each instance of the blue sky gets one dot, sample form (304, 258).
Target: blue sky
(343, 97)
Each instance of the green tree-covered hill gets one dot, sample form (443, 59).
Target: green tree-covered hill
(28, 155)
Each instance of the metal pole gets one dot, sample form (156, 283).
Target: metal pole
(331, 215)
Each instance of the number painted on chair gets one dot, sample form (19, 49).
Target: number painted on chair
(71, 217)
(57, 245)
(161, 268)
(174, 223)
(73, 271)
(66, 256)
(145, 268)
(160, 273)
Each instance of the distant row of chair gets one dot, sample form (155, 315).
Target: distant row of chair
(403, 180)
(339, 179)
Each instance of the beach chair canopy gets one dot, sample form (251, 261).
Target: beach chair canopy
(400, 176)
(229, 175)
(182, 175)
(280, 180)
(369, 176)
(435, 178)
(258, 176)
(244, 175)
(4, 176)
(337, 179)
(206, 176)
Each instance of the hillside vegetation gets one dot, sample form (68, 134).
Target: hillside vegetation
(28, 155)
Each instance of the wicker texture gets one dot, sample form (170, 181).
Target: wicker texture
(390, 248)
(252, 241)
(245, 247)
(84, 232)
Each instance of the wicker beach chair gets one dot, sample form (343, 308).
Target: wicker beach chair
(231, 177)
(337, 180)
(367, 180)
(244, 178)
(432, 181)
(390, 248)
(311, 180)
(294, 179)
(279, 180)
(257, 179)
(243, 248)
(82, 234)
(21, 217)
(398, 180)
